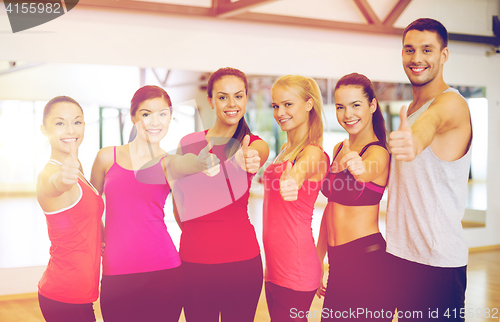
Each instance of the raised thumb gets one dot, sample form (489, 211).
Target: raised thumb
(403, 124)
(245, 143)
(346, 148)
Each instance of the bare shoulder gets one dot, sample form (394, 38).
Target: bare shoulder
(105, 155)
(376, 152)
(260, 144)
(314, 152)
(43, 186)
(48, 170)
(451, 102)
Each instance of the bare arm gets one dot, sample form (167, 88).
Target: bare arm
(55, 180)
(311, 164)
(102, 163)
(251, 157)
(176, 214)
(366, 168)
(448, 114)
(322, 248)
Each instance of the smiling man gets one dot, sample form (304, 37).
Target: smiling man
(428, 182)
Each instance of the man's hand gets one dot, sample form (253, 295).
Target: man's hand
(402, 142)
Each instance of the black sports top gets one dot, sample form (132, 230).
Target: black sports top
(342, 188)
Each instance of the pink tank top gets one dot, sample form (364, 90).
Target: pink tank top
(291, 257)
(72, 275)
(137, 239)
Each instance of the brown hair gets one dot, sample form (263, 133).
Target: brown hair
(359, 80)
(148, 92)
(58, 99)
(242, 128)
(428, 24)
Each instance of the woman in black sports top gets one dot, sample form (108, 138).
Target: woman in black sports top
(354, 187)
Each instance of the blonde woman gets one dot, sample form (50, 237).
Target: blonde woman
(292, 183)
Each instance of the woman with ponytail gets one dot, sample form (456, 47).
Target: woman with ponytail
(354, 186)
(291, 184)
(219, 250)
(73, 209)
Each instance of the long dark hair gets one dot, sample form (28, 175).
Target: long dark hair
(355, 79)
(242, 129)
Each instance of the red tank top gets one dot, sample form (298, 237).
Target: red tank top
(216, 227)
(291, 257)
(72, 275)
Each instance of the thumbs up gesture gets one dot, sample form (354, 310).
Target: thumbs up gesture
(289, 188)
(351, 160)
(248, 158)
(209, 162)
(401, 141)
(70, 167)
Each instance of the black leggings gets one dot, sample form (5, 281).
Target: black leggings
(231, 289)
(285, 304)
(358, 281)
(55, 311)
(151, 296)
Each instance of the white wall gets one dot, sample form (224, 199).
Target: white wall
(123, 38)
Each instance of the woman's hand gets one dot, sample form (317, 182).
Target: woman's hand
(289, 189)
(247, 158)
(321, 291)
(70, 169)
(351, 160)
(209, 162)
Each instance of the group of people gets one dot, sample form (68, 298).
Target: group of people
(218, 271)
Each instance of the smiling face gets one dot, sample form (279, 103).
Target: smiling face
(290, 110)
(64, 125)
(152, 119)
(229, 100)
(423, 57)
(354, 112)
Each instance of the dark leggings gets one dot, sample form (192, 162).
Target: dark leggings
(358, 281)
(231, 289)
(55, 311)
(285, 304)
(151, 296)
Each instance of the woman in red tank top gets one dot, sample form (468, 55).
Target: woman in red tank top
(219, 250)
(354, 187)
(73, 209)
(291, 186)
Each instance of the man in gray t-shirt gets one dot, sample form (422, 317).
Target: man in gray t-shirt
(428, 183)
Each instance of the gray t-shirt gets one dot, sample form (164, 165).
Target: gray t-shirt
(426, 203)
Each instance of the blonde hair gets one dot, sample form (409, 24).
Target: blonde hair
(306, 88)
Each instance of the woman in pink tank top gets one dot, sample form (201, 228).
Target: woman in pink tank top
(141, 278)
(349, 228)
(292, 183)
(73, 209)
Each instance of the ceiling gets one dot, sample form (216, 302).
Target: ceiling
(367, 16)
